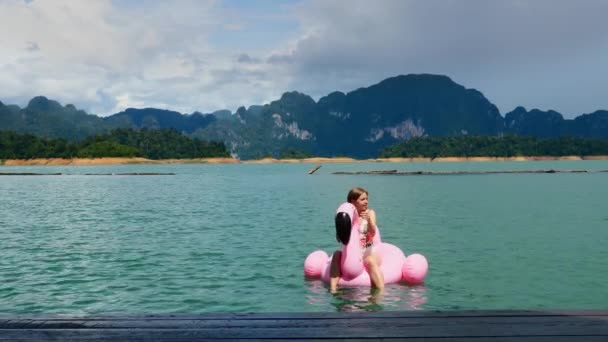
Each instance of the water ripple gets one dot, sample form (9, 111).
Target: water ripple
(232, 238)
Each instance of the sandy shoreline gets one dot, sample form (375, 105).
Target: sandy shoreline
(113, 161)
(121, 161)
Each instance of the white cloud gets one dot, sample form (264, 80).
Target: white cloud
(99, 57)
(479, 43)
(104, 56)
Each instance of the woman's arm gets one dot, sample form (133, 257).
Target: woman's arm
(372, 221)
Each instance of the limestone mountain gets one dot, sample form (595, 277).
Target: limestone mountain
(363, 122)
(593, 125)
(360, 123)
(49, 119)
(551, 124)
(153, 118)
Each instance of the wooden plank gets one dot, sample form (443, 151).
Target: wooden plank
(427, 325)
(293, 323)
(132, 337)
(353, 333)
(583, 328)
(319, 315)
(314, 169)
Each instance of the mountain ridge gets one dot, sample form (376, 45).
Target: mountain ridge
(359, 123)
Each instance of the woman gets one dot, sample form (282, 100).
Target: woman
(359, 198)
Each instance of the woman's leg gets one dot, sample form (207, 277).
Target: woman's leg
(334, 271)
(372, 262)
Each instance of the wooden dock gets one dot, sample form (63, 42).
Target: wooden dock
(491, 326)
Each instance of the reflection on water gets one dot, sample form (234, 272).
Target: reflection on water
(350, 299)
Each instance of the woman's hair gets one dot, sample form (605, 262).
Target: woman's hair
(355, 193)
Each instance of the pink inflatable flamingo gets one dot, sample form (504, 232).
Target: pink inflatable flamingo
(395, 266)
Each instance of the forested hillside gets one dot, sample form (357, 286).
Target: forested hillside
(360, 124)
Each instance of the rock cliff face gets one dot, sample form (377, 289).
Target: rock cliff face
(594, 125)
(47, 118)
(357, 124)
(153, 118)
(362, 122)
(551, 124)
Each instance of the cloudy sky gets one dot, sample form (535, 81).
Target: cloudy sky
(196, 55)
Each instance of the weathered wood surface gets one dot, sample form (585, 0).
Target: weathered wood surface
(417, 173)
(314, 169)
(395, 326)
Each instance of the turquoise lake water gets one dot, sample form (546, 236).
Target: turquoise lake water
(233, 238)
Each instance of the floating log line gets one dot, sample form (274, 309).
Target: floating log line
(314, 169)
(87, 174)
(132, 174)
(28, 174)
(444, 173)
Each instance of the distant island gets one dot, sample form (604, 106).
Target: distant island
(384, 119)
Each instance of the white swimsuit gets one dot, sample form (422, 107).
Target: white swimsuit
(366, 245)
